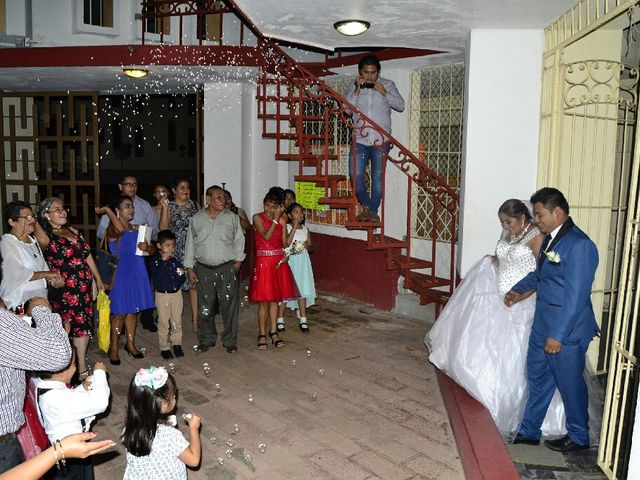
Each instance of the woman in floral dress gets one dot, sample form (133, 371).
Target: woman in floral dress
(66, 252)
(175, 216)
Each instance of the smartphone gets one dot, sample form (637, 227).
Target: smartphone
(367, 85)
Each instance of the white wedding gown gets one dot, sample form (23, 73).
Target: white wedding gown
(482, 344)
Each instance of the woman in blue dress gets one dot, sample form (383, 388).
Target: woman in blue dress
(131, 292)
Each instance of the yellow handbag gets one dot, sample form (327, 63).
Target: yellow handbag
(104, 323)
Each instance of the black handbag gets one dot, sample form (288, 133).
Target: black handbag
(107, 264)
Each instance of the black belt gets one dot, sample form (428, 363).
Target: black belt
(215, 267)
(6, 438)
(167, 291)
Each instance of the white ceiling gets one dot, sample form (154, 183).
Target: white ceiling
(430, 24)
(424, 24)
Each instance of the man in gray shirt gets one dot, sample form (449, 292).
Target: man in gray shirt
(143, 212)
(213, 255)
(374, 96)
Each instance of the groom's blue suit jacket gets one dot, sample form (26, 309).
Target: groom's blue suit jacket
(563, 305)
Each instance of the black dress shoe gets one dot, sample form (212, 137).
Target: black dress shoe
(166, 354)
(564, 444)
(177, 351)
(231, 349)
(526, 440)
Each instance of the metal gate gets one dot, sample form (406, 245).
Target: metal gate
(589, 147)
(50, 148)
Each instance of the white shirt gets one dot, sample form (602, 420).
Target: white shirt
(163, 462)
(61, 409)
(553, 235)
(20, 261)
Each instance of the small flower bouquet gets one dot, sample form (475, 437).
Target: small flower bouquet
(552, 257)
(295, 248)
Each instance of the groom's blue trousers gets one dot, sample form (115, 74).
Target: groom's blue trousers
(565, 370)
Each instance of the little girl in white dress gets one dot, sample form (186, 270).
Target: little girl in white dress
(300, 264)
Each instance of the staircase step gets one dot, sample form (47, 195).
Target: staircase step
(425, 286)
(291, 118)
(308, 158)
(293, 136)
(285, 98)
(382, 242)
(339, 202)
(320, 180)
(403, 262)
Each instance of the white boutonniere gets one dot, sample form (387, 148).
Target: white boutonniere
(552, 257)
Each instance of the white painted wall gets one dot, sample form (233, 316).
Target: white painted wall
(500, 145)
(223, 142)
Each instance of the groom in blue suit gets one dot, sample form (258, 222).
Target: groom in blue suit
(564, 323)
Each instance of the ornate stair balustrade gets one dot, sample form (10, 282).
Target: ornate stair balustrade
(285, 88)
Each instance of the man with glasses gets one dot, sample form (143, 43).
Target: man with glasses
(143, 215)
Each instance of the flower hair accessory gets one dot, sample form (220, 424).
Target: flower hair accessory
(152, 377)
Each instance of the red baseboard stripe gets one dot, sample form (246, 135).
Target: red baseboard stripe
(483, 453)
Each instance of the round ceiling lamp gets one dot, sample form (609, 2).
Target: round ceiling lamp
(134, 72)
(351, 27)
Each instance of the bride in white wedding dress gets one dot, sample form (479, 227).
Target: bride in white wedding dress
(481, 343)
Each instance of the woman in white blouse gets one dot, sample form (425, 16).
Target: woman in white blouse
(25, 273)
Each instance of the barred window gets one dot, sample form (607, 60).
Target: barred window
(435, 137)
(98, 13)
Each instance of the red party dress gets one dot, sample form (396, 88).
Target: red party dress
(268, 283)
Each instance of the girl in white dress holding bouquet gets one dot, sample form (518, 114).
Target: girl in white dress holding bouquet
(299, 243)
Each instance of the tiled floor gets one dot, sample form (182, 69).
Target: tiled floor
(363, 405)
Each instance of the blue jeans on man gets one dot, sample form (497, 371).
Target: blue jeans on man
(365, 154)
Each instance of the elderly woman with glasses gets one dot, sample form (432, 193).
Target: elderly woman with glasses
(25, 273)
(68, 253)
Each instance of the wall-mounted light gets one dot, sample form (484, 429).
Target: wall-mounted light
(135, 72)
(351, 27)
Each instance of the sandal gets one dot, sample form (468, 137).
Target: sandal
(277, 342)
(304, 327)
(262, 345)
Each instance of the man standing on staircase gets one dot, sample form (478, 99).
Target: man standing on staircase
(373, 96)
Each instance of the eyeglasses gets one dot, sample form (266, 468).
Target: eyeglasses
(129, 184)
(27, 217)
(58, 210)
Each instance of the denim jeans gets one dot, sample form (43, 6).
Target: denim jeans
(365, 154)
(10, 455)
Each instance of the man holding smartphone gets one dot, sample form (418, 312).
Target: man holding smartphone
(373, 96)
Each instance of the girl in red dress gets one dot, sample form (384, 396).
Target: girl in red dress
(271, 281)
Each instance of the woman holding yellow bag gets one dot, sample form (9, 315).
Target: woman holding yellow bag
(69, 254)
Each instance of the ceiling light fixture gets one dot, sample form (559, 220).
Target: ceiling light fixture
(134, 72)
(351, 27)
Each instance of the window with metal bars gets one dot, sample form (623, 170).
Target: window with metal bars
(435, 137)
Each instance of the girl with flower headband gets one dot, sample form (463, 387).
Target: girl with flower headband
(154, 448)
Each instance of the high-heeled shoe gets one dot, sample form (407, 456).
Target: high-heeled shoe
(133, 354)
(114, 361)
(276, 342)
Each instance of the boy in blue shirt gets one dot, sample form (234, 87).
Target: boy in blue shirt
(168, 275)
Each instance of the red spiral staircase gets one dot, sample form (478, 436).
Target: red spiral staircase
(299, 109)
